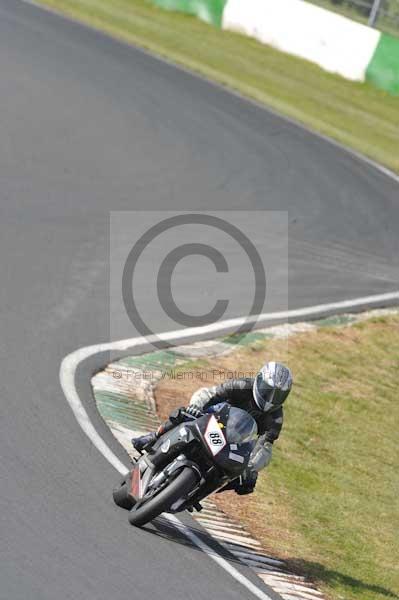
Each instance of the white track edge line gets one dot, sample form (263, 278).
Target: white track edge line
(71, 362)
(217, 558)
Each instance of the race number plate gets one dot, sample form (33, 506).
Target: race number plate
(214, 437)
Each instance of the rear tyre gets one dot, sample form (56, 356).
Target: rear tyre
(182, 485)
(121, 497)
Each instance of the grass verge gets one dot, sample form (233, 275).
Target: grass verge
(328, 502)
(357, 115)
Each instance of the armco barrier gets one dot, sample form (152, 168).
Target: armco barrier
(334, 42)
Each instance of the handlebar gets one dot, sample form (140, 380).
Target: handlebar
(189, 417)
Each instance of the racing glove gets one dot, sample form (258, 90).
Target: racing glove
(246, 482)
(261, 454)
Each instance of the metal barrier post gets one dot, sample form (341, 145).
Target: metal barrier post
(374, 12)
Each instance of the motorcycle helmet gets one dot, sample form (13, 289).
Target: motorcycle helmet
(271, 386)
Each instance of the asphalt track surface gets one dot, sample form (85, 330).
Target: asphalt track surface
(88, 125)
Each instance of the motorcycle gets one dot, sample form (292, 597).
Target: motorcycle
(197, 457)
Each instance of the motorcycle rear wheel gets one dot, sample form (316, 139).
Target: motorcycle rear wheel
(180, 486)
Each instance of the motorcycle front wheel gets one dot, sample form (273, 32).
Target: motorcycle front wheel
(178, 488)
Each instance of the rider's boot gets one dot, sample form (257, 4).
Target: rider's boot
(144, 442)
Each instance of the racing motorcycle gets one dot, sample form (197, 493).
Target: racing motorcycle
(194, 459)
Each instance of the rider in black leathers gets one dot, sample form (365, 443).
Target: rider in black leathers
(262, 397)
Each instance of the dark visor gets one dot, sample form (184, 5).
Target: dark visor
(266, 394)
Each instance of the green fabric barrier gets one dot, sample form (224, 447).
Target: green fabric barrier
(383, 70)
(210, 11)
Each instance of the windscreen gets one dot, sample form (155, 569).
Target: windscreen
(241, 427)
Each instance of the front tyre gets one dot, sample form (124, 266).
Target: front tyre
(178, 488)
